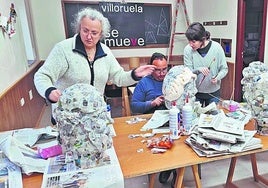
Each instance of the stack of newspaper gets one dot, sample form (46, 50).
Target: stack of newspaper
(222, 134)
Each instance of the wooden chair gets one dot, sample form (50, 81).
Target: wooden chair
(134, 62)
(126, 111)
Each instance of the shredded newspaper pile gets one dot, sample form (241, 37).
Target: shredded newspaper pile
(255, 87)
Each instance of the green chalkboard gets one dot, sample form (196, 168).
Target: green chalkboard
(150, 23)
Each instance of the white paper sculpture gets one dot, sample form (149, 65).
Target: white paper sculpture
(255, 88)
(179, 85)
(82, 122)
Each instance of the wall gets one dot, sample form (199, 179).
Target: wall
(48, 29)
(13, 60)
(45, 40)
(208, 10)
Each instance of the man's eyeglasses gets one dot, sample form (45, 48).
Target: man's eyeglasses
(164, 70)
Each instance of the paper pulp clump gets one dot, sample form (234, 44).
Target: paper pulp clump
(255, 88)
(178, 85)
(82, 122)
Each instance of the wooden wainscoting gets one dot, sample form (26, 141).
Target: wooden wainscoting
(227, 84)
(13, 114)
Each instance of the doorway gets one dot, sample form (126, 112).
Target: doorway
(251, 24)
(253, 31)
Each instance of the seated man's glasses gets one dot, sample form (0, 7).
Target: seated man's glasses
(164, 70)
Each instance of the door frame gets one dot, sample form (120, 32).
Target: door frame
(263, 31)
(241, 9)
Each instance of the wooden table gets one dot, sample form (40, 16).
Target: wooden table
(134, 163)
(34, 180)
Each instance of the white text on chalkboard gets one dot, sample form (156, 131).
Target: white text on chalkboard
(113, 39)
(111, 7)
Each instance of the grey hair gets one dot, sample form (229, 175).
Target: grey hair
(93, 14)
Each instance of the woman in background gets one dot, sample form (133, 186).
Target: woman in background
(207, 60)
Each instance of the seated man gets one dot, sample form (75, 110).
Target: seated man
(148, 96)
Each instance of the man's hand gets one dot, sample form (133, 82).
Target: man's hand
(158, 101)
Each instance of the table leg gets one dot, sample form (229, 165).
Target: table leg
(256, 175)
(179, 179)
(180, 175)
(195, 170)
(229, 183)
(254, 166)
(152, 180)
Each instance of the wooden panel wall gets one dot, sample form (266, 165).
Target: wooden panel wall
(227, 85)
(12, 114)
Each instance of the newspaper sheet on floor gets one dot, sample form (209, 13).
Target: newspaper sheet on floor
(61, 174)
(10, 174)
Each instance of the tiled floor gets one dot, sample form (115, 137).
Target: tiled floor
(213, 174)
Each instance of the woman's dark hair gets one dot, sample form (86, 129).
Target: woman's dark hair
(207, 35)
(196, 31)
(157, 55)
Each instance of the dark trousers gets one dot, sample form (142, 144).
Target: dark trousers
(207, 98)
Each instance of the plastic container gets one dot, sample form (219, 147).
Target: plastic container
(109, 110)
(187, 116)
(50, 151)
(109, 115)
(230, 105)
(174, 121)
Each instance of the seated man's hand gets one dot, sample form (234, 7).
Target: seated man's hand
(158, 101)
